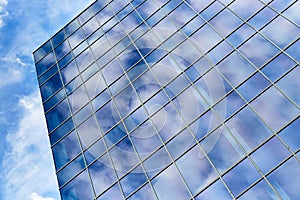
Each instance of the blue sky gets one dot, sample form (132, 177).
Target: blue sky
(27, 170)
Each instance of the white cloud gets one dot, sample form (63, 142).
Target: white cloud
(3, 4)
(35, 196)
(27, 164)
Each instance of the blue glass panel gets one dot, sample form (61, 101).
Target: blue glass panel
(277, 67)
(57, 115)
(65, 150)
(107, 117)
(212, 10)
(115, 135)
(51, 86)
(286, 179)
(263, 17)
(113, 193)
(135, 119)
(201, 169)
(156, 102)
(71, 27)
(78, 99)
(215, 191)
(45, 63)
(69, 72)
(165, 183)
(100, 100)
(65, 60)
(95, 85)
(145, 191)
(133, 180)
(62, 50)
(76, 38)
(240, 35)
(260, 191)
(42, 51)
(48, 74)
(86, 15)
(270, 155)
(65, 128)
(79, 188)
(253, 86)
(112, 71)
(102, 174)
(193, 25)
(290, 135)
(54, 100)
(58, 38)
(70, 170)
(245, 8)
(241, 177)
(82, 114)
(93, 152)
(88, 132)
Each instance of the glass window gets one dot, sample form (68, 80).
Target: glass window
(68, 172)
(65, 150)
(71, 27)
(270, 155)
(260, 191)
(241, 177)
(155, 18)
(286, 179)
(107, 117)
(240, 35)
(47, 74)
(69, 72)
(62, 50)
(65, 128)
(80, 48)
(79, 188)
(196, 23)
(290, 85)
(211, 11)
(145, 139)
(145, 191)
(146, 8)
(248, 128)
(94, 151)
(137, 71)
(136, 119)
(42, 51)
(253, 86)
(176, 86)
(201, 169)
(258, 56)
(156, 162)
(100, 100)
(267, 106)
(245, 8)
(226, 21)
(88, 132)
(182, 14)
(71, 86)
(291, 12)
(76, 38)
(290, 135)
(293, 51)
(235, 68)
(220, 52)
(280, 5)
(180, 143)
(281, 31)
(78, 99)
(114, 135)
(90, 26)
(86, 15)
(124, 157)
(133, 180)
(84, 59)
(262, 18)
(102, 174)
(277, 67)
(127, 101)
(57, 115)
(222, 149)
(95, 85)
(165, 183)
(156, 102)
(65, 60)
(118, 85)
(51, 86)
(112, 71)
(206, 38)
(113, 193)
(215, 191)
(54, 100)
(82, 114)
(58, 38)
(45, 63)
(90, 71)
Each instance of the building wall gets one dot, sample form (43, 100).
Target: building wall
(160, 99)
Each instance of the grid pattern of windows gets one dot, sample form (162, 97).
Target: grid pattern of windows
(175, 99)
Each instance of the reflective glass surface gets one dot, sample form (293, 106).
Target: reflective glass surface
(175, 99)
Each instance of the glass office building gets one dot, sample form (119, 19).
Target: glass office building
(178, 99)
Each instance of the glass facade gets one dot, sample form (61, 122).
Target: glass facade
(175, 99)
